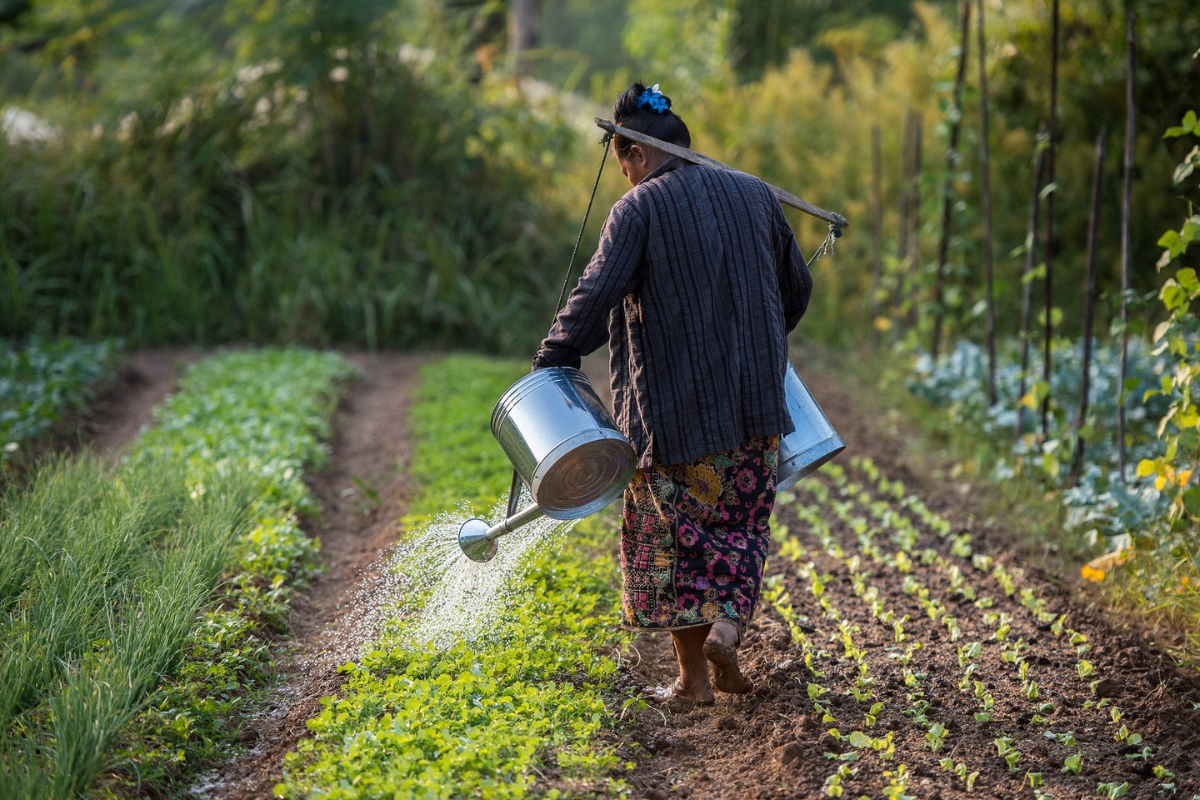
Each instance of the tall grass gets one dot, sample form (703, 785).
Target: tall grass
(261, 200)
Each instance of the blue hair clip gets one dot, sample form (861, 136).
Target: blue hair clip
(656, 100)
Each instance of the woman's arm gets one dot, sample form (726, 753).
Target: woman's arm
(613, 272)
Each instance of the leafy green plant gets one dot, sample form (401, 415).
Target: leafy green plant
(43, 379)
(529, 694)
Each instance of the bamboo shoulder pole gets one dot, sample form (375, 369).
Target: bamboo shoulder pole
(787, 198)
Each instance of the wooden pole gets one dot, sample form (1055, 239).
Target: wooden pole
(902, 212)
(1126, 211)
(785, 197)
(985, 169)
(914, 238)
(524, 33)
(1089, 304)
(1048, 283)
(876, 223)
(939, 279)
(1031, 240)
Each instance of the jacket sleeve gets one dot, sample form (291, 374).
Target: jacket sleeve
(795, 280)
(613, 272)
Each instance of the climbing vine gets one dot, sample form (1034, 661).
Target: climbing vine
(1178, 336)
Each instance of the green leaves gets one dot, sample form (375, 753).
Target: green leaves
(1189, 125)
(42, 381)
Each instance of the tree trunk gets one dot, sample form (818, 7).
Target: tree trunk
(1089, 305)
(1031, 240)
(985, 169)
(1126, 210)
(956, 113)
(524, 33)
(876, 223)
(1048, 283)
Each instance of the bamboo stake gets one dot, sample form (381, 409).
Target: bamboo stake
(1126, 210)
(948, 183)
(1031, 239)
(902, 211)
(914, 239)
(985, 168)
(1048, 283)
(785, 197)
(1089, 304)
(876, 223)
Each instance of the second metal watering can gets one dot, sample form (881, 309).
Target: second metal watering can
(565, 447)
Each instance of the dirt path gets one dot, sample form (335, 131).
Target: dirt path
(363, 490)
(774, 742)
(144, 381)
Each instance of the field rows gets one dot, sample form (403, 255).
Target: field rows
(923, 657)
(121, 669)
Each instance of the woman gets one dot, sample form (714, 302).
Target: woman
(696, 283)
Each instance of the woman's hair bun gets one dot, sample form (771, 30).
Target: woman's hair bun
(648, 111)
(654, 100)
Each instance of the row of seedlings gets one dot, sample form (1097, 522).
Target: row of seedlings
(905, 535)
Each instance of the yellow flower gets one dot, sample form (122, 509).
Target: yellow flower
(704, 484)
(1096, 569)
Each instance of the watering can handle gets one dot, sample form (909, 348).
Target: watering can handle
(514, 495)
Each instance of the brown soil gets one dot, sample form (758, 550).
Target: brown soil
(363, 491)
(124, 408)
(771, 743)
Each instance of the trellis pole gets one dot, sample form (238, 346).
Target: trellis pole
(902, 213)
(1031, 240)
(1048, 283)
(1126, 211)
(1089, 304)
(939, 278)
(914, 239)
(985, 169)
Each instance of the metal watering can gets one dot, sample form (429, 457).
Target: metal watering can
(814, 441)
(565, 447)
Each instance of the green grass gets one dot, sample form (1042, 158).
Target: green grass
(104, 578)
(477, 719)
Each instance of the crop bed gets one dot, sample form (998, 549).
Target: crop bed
(490, 715)
(922, 665)
(121, 668)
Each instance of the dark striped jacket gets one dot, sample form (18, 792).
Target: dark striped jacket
(699, 279)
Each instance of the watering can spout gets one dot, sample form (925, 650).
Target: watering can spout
(478, 540)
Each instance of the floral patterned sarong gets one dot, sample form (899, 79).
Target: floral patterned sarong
(695, 536)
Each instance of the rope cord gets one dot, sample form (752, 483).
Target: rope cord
(835, 233)
(562, 295)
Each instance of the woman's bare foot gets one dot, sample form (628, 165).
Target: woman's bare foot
(720, 648)
(692, 683)
(676, 692)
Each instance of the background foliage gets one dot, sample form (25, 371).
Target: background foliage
(305, 170)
